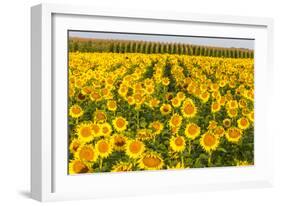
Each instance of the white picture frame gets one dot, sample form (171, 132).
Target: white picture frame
(49, 179)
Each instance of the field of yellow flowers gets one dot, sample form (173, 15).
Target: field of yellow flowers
(133, 111)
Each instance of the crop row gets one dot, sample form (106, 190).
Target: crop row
(147, 47)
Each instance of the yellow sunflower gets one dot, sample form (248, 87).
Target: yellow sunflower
(119, 142)
(232, 104)
(145, 134)
(205, 96)
(176, 102)
(251, 116)
(139, 99)
(71, 92)
(178, 166)
(169, 96)
(245, 112)
(148, 82)
(219, 131)
(215, 107)
(222, 83)
(232, 84)
(212, 125)
(81, 97)
(109, 81)
(232, 112)
(76, 111)
(216, 95)
(154, 102)
(100, 116)
(106, 93)
(122, 167)
(188, 109)
(226, 122)
(95, 96)
(103, 148)
(192, 131)
(214, 87)
(86, 153)
(130, 100)
(77, 166)
(123, 90)
(165, 109)
(233, 134)
(243, 123)
(86, 90)
(175, 120)
(138, 86)
(134, 148)
(222, 101)
(177, 143)
(242, 163)
(175, 130)
(209, 142)
(84, 132)
(149, 90)
(242, 103)
(106, 129)
(166, 81)
(181, 96)
(74, 145)
(120, 124)
(111, 105)
(157, 127)
(96, 129)
(151, 161)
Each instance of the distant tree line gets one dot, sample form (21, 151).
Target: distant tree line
(147, 47)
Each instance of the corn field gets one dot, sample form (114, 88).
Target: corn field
(146, 47)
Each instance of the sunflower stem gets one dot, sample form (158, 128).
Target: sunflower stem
(134, 164)
(100, 164)
(210, 159)
(189, 147)
(182, 160)
(138, 118)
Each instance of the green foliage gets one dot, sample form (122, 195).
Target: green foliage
(126, 46)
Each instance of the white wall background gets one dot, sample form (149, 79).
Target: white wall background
(15, 95)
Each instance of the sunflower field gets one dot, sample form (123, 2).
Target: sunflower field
(135, 111)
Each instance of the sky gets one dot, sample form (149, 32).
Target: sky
(206, 41)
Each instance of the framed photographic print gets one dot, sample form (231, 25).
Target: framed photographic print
(135, 102)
